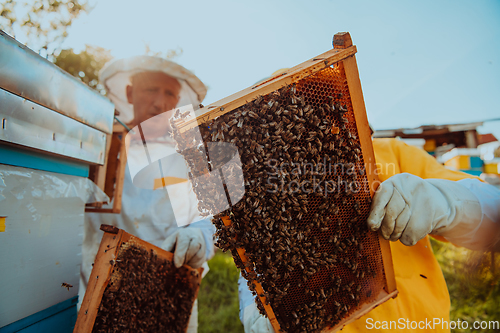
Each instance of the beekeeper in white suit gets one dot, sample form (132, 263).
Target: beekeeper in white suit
(146, 90)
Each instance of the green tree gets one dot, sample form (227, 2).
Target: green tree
(85, 65)
(45, 23)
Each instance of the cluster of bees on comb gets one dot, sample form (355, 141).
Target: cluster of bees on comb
(146, 294)
(301, 219)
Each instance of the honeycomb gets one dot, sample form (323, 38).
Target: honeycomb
(146, 293)
(310, 250)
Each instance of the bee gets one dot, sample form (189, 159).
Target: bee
(258, 100)
(66, 285)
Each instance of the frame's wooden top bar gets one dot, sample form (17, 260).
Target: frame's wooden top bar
(244, 96)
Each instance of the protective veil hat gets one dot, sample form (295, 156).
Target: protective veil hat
(116, 76)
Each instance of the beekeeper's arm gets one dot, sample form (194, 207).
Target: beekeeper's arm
(465, 212)
(252, 320)
(192, 244)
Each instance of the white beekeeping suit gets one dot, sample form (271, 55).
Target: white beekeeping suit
(147, 211)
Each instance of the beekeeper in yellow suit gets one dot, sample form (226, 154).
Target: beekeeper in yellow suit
(417, 197)
(146, 90)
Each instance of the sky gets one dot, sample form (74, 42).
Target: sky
(420, 62)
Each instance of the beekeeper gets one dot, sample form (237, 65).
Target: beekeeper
(417, 197)
(146, 91)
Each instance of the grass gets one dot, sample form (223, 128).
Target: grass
(473, 286)
(218, 308)
(472, 283)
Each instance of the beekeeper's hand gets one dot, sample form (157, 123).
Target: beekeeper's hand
(254, 322)
(407, 208)
(190, 247)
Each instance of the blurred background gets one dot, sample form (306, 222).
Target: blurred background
(420, 63)
(424, 66)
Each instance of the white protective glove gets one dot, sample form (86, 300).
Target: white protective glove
(254, 322)
(190, 247)
(407, 207)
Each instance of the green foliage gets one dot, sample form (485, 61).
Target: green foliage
(44, 22)
(472, 282)
(218, 297)
(85, 65)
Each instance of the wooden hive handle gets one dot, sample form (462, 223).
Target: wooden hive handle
(342, 40)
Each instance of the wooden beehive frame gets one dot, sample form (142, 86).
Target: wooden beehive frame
(109, 176)
(342, 55)
(111, 243)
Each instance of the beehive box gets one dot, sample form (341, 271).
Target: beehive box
(467, 160)
(134, 287)
(256, 159)
(492, 166)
